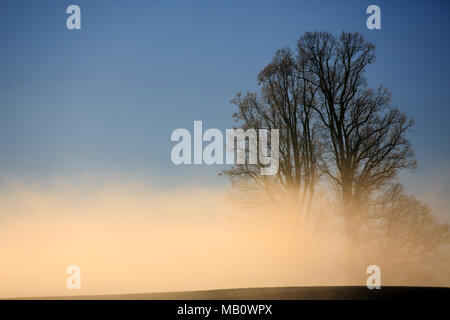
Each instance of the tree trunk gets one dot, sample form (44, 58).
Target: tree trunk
(349, 231)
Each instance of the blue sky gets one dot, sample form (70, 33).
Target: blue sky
(106, 98)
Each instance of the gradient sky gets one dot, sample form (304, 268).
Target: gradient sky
(106, 98)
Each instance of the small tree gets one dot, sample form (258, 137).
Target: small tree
(406, 238)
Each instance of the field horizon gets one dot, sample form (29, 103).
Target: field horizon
(274, 293)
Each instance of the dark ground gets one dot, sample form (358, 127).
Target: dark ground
(285, 293)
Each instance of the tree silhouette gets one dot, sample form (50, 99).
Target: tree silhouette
(285, 103)
(337, 131)
(402, 233)
(366, 136)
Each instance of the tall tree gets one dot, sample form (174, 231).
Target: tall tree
(285, 103)
(366, 135)
(333, 128)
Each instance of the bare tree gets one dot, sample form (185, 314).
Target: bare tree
(407, 240)
(366, 135)
(285, 103)
(333, 125)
